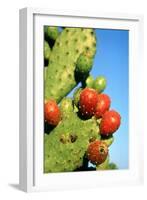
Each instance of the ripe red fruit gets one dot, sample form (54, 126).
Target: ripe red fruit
(88, 101)
(110, 123)
(52, 113)
(97, 152)
(103, 104)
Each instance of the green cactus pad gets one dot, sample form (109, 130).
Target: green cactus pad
(76, 96)
(70, 44)
(66, 145)
(45, 69)
(47, 50)
(66, 107)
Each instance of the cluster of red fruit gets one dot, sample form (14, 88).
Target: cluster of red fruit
(90, 104)
(93, 104)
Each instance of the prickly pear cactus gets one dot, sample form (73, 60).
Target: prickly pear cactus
(66, 145)
(61, 75)
(70, 57)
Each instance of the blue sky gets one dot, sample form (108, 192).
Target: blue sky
(111, 61)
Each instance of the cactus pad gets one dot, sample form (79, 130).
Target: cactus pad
(66, 145)
(70, 44)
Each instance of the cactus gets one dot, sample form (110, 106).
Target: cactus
(100, 84)
(47, 50)
(66, 107)
(104, 165)
(84, 64)
(112, 166)
(108, 140)
(70, 54)
(76, 96)
(89, 81)
(66, 145)
(45, 69)
(61, 76)
(51, 32)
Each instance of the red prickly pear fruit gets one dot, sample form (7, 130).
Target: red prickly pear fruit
(88, 101)
(52, 112)
(97, 152)
(110, 123)
(103, 105)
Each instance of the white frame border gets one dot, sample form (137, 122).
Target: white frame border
(27, 90)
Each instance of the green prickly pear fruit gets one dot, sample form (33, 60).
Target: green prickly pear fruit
(89, 81)
(51, 32)
(100, 84)
(47, 50)
(112, 166)
(84, 64)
